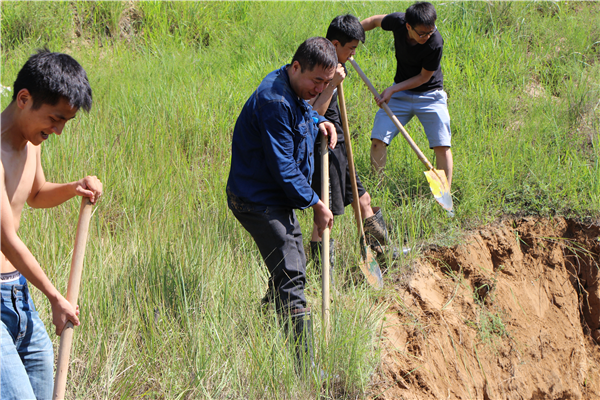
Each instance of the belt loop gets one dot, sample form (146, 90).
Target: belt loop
(14, 292)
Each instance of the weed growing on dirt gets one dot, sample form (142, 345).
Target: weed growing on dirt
(170, 293)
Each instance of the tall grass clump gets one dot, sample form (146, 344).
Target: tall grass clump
(171, 285)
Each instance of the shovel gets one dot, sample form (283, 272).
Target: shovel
(368, 264)
(66, 337)
(438, 183)
(326, 232)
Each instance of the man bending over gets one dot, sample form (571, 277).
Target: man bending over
(419, 84)
(272, 163)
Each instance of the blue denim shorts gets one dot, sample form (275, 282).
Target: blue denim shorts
(430, 107)
(27, 358)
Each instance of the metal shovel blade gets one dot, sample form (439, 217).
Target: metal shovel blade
(440, 188)
(368, 263)
(370, 267)
(437, 178)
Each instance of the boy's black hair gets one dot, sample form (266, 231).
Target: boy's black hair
(316, 51)
(345, 28)
(49, 76)
(421, 13)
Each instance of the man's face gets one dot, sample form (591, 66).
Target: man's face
(39, 124)
(420, 33)
(344, 52)
(308, 84)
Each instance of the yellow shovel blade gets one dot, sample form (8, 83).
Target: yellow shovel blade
(438, 183)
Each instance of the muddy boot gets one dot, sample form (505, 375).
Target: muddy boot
(377, 237)
(315, 254)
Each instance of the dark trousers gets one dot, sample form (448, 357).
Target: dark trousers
(277, 234)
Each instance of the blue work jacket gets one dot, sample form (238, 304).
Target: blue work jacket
(272, 160)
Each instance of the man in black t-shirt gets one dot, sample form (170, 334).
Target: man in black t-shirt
(418, 88)
(344, 32)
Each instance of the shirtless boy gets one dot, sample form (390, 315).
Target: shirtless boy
(48, 92)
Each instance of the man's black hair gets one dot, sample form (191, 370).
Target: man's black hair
(345, 28)
(316, 51)
(49, 76)
(421, 13)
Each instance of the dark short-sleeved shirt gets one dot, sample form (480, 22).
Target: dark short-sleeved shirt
(411, 59)
(272, 158)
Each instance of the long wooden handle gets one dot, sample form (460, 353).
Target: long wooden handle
(369, 265)
(350, 154)
(390, 114)
(66, 337)
(325, 238)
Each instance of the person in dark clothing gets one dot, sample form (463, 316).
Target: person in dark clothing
(419, 84)
(272, 164)
(345, 32)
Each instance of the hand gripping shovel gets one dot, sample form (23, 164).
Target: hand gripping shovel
(66, 337)
(325, 237)
(368, 264)
(438, 183)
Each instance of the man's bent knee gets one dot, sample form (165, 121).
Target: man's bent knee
(378, 144)
(365, 200)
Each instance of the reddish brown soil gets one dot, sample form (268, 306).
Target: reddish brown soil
(538, 280)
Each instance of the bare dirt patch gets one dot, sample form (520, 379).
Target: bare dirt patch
(512, 313)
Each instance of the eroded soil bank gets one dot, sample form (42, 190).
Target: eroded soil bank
(511, 313)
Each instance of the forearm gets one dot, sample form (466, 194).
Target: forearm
(52, 194)
(372, 22)
(288, 176)
(300, 194)
(323, 217)
(322, 102)
(410, 83)
(21, 258)
(319, 207)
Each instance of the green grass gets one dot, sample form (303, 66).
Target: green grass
(172, 282)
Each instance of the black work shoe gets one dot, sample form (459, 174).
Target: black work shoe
(302, 340)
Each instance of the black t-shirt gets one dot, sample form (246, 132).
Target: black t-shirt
(411, 59)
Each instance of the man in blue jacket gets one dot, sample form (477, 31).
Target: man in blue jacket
(272, 164)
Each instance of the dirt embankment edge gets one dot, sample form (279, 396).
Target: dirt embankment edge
(511, 313)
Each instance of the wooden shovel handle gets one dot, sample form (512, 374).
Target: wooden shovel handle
(66, 337)
(350, 154)
(390, 114)
(369, 265)
(325, 238)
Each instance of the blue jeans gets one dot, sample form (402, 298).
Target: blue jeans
(26, 357)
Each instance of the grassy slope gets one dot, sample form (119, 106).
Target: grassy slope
(169, 301)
